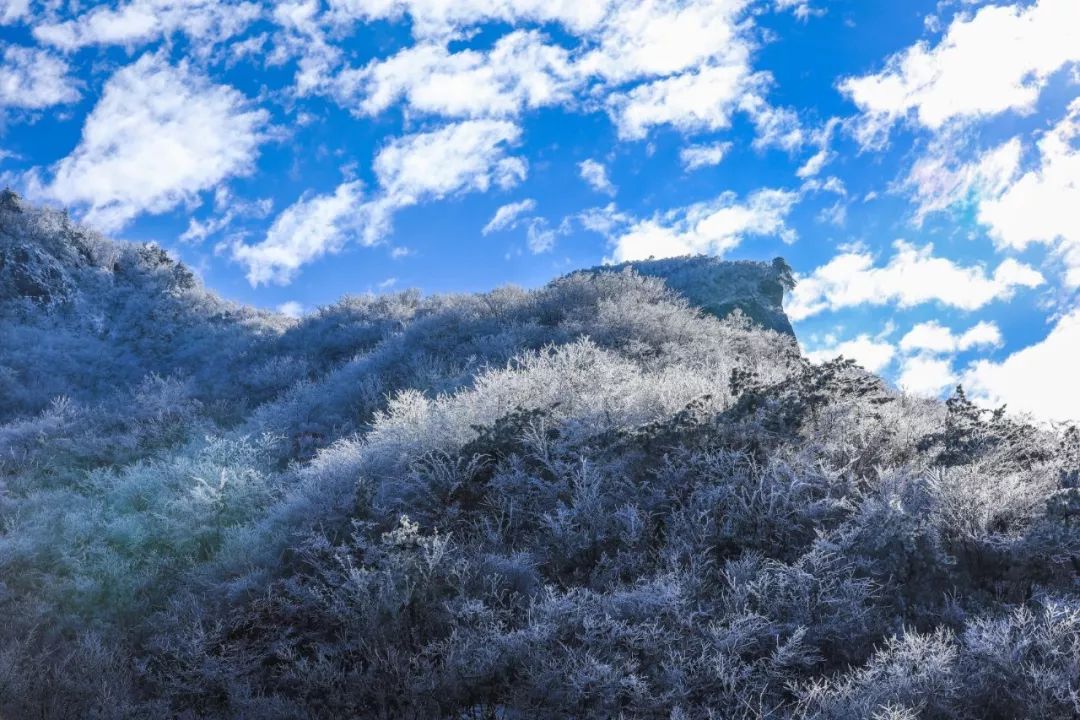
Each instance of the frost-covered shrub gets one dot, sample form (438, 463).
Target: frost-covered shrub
(1026, 663)
(586, 500)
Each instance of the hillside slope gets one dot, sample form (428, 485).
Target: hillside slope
(607, 497)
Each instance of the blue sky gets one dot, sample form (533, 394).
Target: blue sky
(916, 162)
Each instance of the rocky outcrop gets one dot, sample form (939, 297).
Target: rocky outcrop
(720, 287)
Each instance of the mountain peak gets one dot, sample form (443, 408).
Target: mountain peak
(719, 287)
(11, 201)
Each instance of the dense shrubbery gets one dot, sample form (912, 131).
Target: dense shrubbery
(590, 500)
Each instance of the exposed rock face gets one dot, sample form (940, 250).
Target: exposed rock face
(720, 287)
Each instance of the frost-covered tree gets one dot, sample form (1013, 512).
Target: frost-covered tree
(624, 494)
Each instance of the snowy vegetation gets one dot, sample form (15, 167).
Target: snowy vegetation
(590, 500)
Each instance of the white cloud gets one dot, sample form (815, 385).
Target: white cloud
(441, 19)
(774, 127)
(872, 354)
(226, 210)
(507, 216)
(699, 156)
(520, 71)
(33, 79)
(937, 182)
(158, 136)
(712, 227)
(1040, 206)
(620, 41)
(936, 338)
(463, 157)
(596, 176)
(604, 220)
(12, 10)
(1018, 207)
(995, 60)
(1040, 379)
(831, 184)
(642, 38)
(682, 63)
(693, 101)
(691, 58)
(539, 238)
(926, 375)
(822, 138)
(912, 276)
(302, 36)
(142, 21)
(303, 232)
(835, 214)
(815, 163)
(799, 8)
(468, 156)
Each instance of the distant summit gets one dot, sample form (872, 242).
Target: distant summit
(719, 287)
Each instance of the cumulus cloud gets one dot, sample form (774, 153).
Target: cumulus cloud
(870, 353)
(1018, 207)
(998, 59)
(1039, 379)
(643, 38)
(507, 216)
(929, 350)
(520, 71)
(936, 338)
(303, 232)
(468, 156)
(696, 157)
(596, 175)
(159, 135)
(713, 227)
(693, 101)
(1040, 206)
(684, 64)
(13, 10)
(911, 277)
(32, 79)
(141, 21)
(926, 375)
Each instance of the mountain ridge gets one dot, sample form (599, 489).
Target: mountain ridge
(43, 274)
(596, 498)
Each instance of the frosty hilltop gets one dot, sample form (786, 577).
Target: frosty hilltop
(138, 311)
(609, 497)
